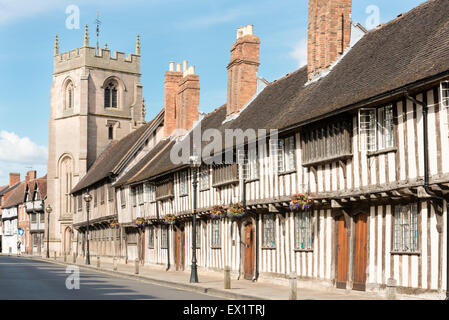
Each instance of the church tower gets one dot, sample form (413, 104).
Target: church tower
(95, 98)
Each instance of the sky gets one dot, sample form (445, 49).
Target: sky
(200, 31)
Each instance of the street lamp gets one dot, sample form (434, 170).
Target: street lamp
(196, 163)
(49, 210)
(87, 197)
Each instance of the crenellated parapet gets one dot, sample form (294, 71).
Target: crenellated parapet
(87, 56)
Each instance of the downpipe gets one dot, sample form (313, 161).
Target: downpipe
(425, 109)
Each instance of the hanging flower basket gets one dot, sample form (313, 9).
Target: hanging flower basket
(236, 210)
(114, 225)
(217, 212)
(300, 201)
(169, 218)
(140, 222)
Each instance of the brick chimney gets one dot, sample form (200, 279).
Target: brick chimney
(182, 98)
(171, 86)
(31, 175)
(14, 178)
(329, 33)
(188, 98)
(242, 69)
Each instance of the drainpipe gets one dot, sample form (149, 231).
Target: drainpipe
(425, 109)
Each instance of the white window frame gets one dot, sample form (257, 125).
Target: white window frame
(268, 225)
(286, 154)
(444, 94)
(374, 129)
(303, 230)
(405, 228)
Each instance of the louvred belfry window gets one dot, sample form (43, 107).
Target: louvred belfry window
(111, 95)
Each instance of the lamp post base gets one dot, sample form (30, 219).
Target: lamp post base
(194, 275)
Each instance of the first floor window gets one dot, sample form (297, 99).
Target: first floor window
(102, 194)
(122, 197)
(444, 91)
(204, 178)
(80, 202)
(149, 192)
(151, 237)
(376, 128)
(405, 228)
(140, 193)
(183, 182)
(286, 154)
(215, 233)
(268, 230)
(253, 163)
(164, 237)
(303, 230)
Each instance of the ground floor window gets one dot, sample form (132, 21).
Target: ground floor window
(164, 237)
(151, 237)
(268, 230)
(303, 230)
(405, 228)
(215, 233)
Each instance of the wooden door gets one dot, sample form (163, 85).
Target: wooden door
(249, 252)
(342, 253)
(360, 253)
(179, 249)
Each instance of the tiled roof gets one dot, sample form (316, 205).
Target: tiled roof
(16, 197)
(408, 49)
(105, 164)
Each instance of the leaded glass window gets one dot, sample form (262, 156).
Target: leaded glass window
(303, 230)
(405, 228)
(268, 220)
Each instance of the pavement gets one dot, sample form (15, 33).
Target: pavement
(23, 278)
(210, 283)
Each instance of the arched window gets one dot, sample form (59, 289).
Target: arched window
(69, 93)
(110, 95)
(66, 185)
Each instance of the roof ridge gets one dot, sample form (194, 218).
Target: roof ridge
(401, 16)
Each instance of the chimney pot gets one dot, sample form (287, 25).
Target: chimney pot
(171, 66)
(178, 67)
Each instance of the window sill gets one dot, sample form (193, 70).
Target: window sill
(284, 173)
(213, 247)
(225, 183)
(326, 160)
(402, 253)
(251, 180)
(382, 151)
(303, 250)
(183, 195)
(123, 206)
(268, 248)
(205, 189)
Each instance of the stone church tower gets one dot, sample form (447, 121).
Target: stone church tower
(95, 98)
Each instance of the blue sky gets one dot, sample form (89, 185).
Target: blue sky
(200, 31)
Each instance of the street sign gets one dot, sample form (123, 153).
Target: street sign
(20, 231)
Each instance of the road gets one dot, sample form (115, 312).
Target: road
(22, 278)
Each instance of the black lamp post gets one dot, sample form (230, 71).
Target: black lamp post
(87, 197)
(49, 210)
(196, 163)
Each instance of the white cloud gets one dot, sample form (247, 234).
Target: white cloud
(299, 52)
(20, 154)
(14, 149)
(11, 10)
